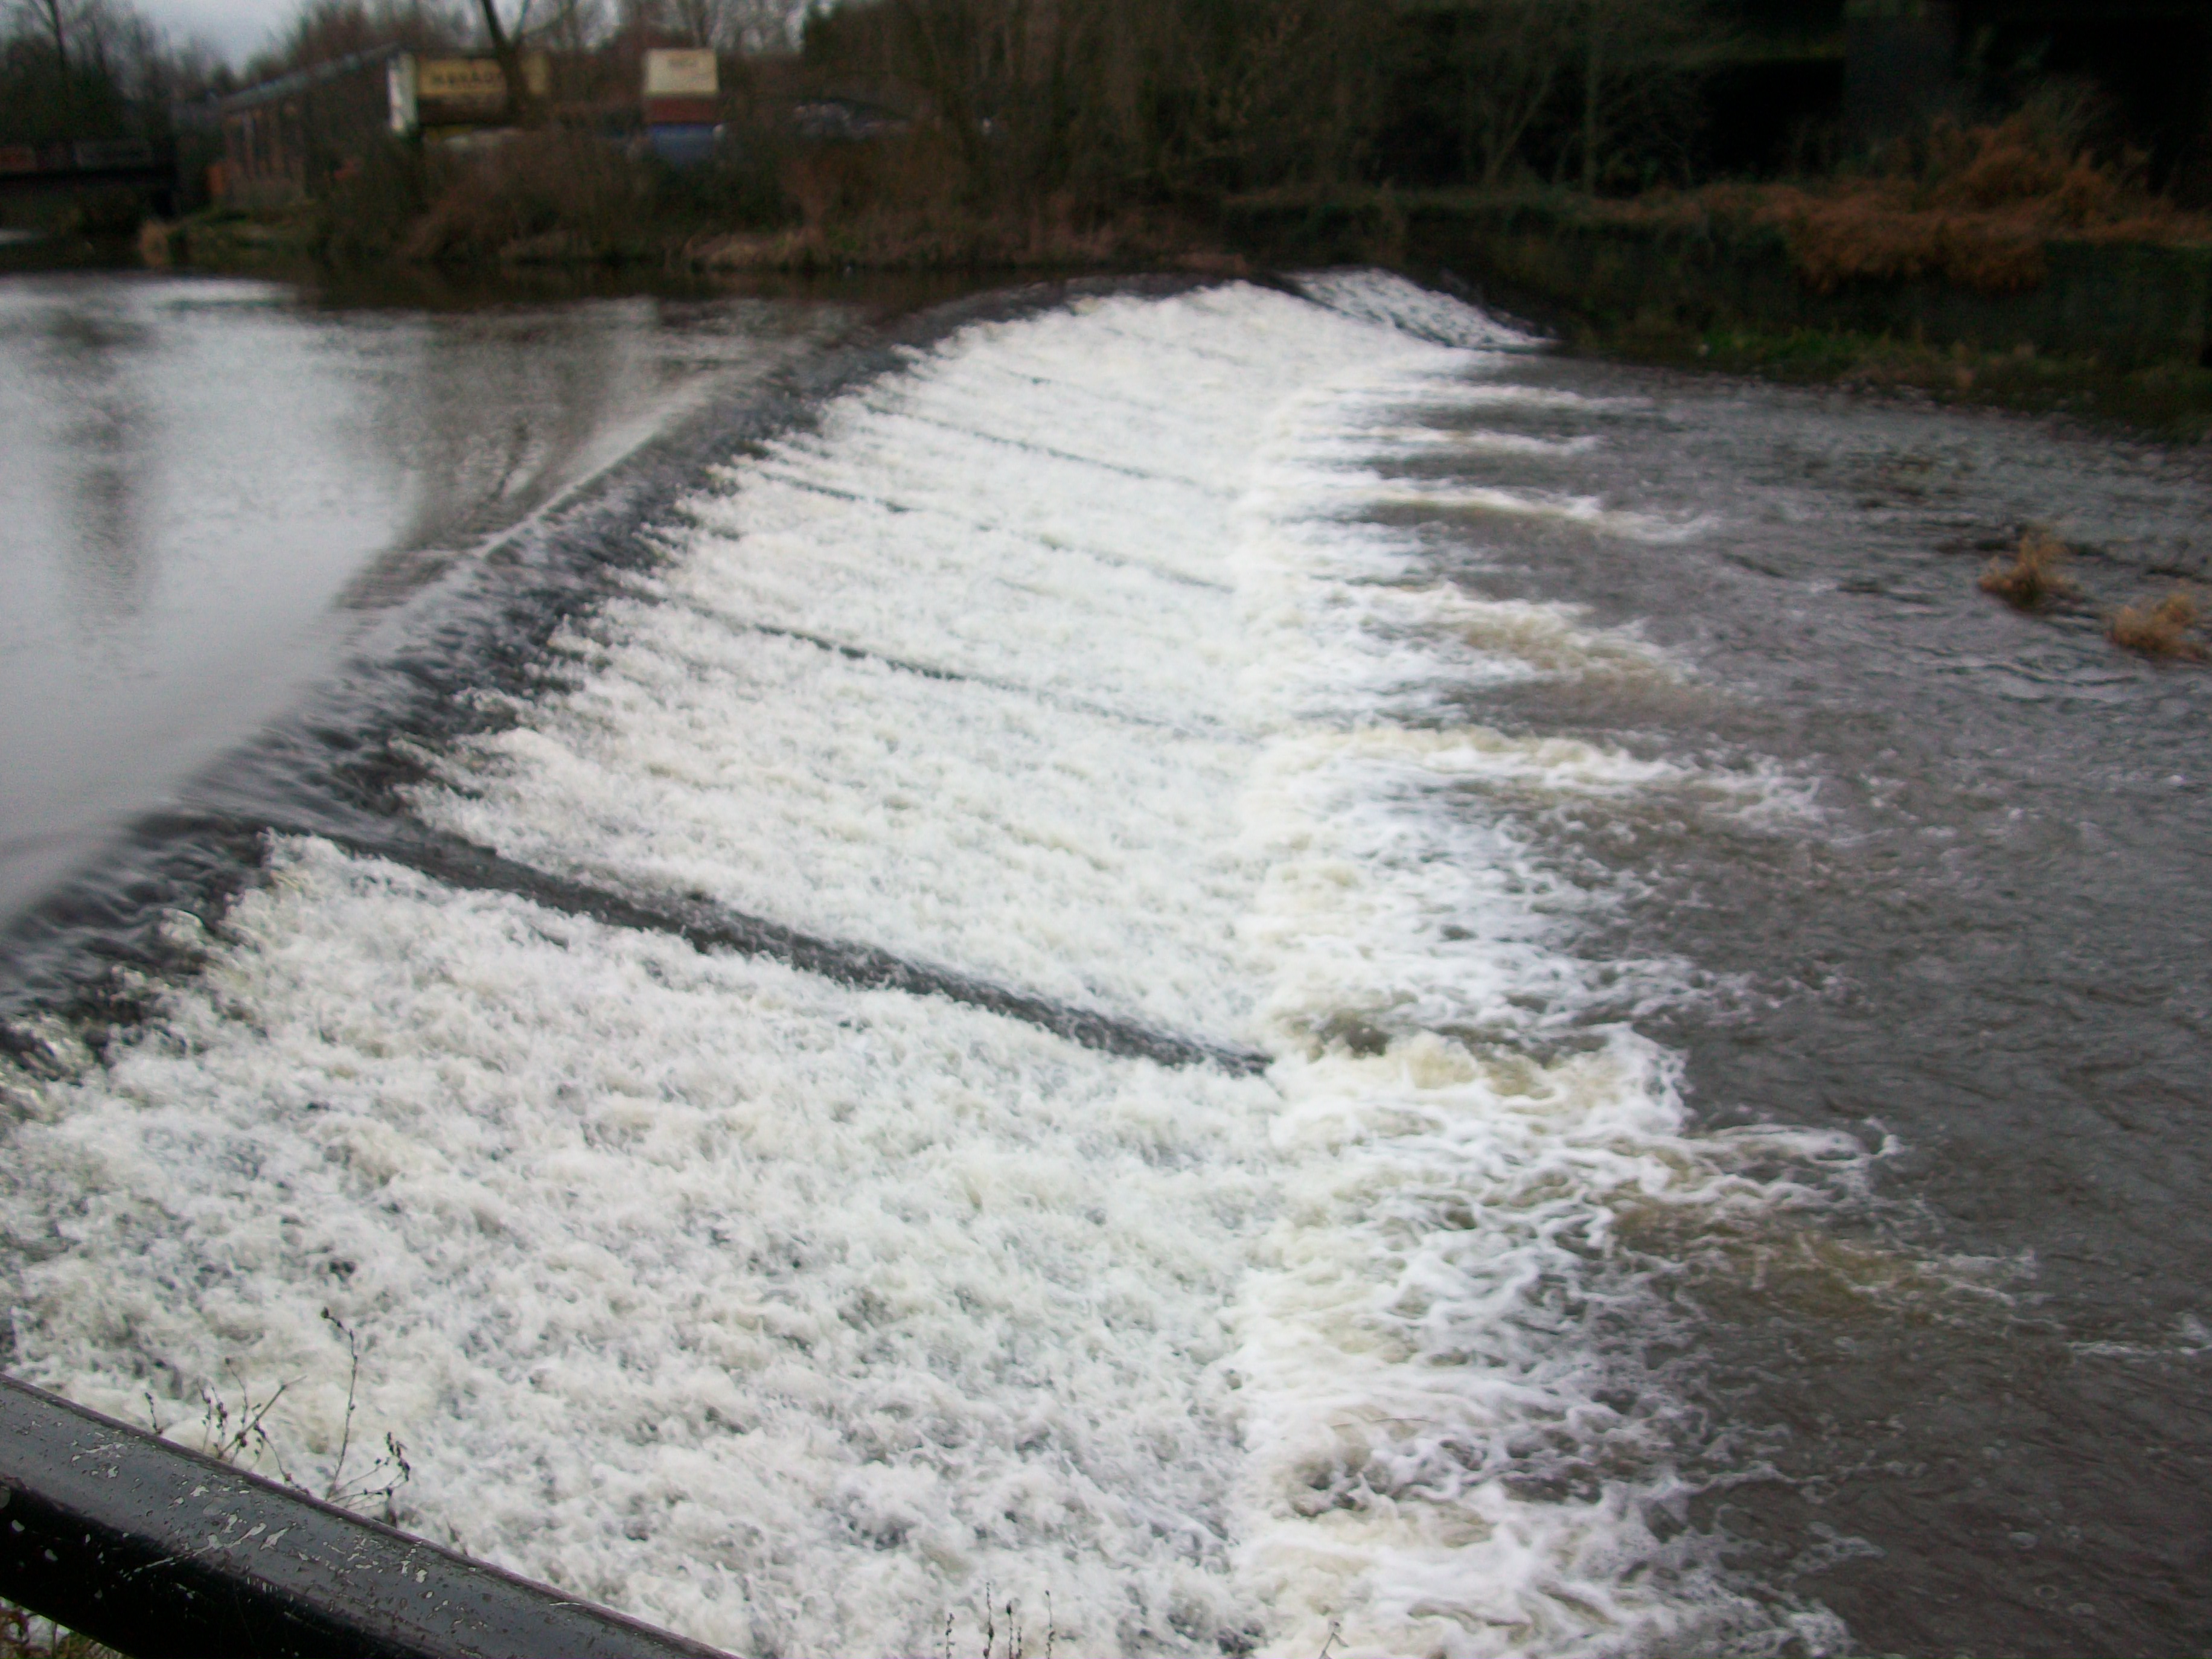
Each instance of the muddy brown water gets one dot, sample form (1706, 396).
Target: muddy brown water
(1971, 1415)
(1985, 947)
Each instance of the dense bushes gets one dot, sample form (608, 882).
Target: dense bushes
(551, 195)
(1145, 101)
(1974, 205)
(1977, 209)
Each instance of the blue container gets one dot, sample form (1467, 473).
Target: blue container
(685, 146)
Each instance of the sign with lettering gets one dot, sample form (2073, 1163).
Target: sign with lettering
(457, 92)
(458, 83)
(688, 74)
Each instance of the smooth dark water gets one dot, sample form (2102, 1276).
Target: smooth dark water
(1982, 942)
(213, 486)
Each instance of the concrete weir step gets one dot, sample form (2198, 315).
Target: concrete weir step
(164, 1554)
(708, 926)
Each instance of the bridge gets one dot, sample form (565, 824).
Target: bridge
(84, 163)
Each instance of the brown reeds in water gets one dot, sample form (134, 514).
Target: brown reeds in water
(2160, 630)
(2031, 576)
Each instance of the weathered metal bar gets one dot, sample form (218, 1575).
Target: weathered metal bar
(159, 1552)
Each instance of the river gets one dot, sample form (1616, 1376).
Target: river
(212, 486)
(1183, 969)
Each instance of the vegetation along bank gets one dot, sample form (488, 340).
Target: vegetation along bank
(1986, 202)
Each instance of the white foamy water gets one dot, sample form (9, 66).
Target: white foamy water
(794, 1316)
(1585, 510)
(1416, 440)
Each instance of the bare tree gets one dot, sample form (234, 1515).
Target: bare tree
(1104, 100)
(88, 68)
(1640, 62)
(573, 25)
(508, 36)
(1509, 58)
(506, 46)
(323, 30)
(1587, 90)
(729, 25)
(47, 19)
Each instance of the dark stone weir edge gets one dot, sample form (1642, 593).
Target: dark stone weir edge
(708, 926)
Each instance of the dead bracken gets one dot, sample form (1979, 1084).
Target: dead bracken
(2031, 575)
(1973, 206)
(2160, 630)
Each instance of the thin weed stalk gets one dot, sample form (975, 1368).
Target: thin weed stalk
(24, 1635)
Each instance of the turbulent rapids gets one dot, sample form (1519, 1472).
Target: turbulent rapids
(806, 1310)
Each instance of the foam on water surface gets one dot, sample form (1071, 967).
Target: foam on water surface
(774, 1311)
(1379, 297)
(1427, 440)
(795, 1315)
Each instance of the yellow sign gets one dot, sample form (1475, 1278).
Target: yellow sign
(462, 87)
(469, 82)
(687, 74)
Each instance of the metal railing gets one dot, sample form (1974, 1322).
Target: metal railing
(158, 1551)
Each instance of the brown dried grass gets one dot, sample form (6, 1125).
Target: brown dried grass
(1974, 207)
(2160, 630)
(543, 194)
(2031, 576)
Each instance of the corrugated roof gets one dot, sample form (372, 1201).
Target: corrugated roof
(299, 81)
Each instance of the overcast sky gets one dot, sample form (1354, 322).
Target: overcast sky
(236, 28)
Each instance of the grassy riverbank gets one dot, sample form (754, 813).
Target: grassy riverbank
(1997, 266)
(2171, 401)
(2002, 268)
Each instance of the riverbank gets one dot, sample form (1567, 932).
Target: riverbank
(296, 242)
(2170, 401)
(2112, 322)
(2004, 275)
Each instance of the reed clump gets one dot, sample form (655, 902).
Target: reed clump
(2161, 629)
(2031, 575)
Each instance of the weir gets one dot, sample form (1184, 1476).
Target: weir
(818, 1166)
(748, 1033)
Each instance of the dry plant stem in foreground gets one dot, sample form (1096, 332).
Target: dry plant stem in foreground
(2160, 630)
(2032, 576)
(24, 1635)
